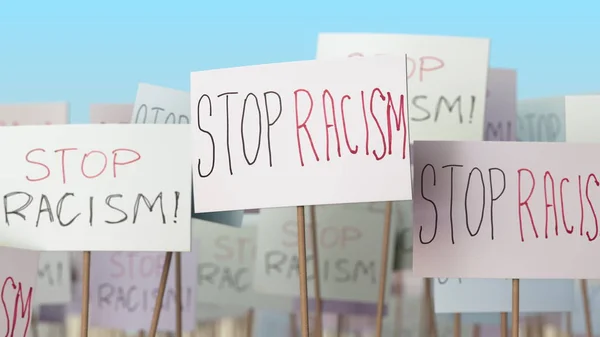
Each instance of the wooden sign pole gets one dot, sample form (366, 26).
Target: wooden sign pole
(387, 224)
(161, 294)
(569, 326)
(85, 294)
(249, 323)
(293, 325)
(457, 325)
(317, 279)
(178, 296)
(340, 325)
(586, 308)
(503, 324)
(302, 271)
(515, 308)
(428, 297)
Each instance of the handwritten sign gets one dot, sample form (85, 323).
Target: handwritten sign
(541, 120)
(347, 270)
(54, 278)
(494, 295)
(110, 113)
(479, 207)
(18, 275)
(580, 113)
(124, 288)
(294, 131)
(501, 105)
(441, 108)
(90, 187)
(160, 105)
(34, 114)
(226, 258)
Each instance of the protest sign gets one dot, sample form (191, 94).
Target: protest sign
(226, 262)
(348, 271)
(441, 108)
(54, 278)
(18, 276)
(580, 113)
(296, 129)
(34, 114)
(541, 120)
(501, 105)
(494, 295)
(125, 285)
(96, 187)
(481, 206)
(110, 113)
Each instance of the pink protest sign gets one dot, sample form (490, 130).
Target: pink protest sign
(501, 105)
(111, 113)
(17, 277)
(505, 210)
(34, 114)
(124, 287)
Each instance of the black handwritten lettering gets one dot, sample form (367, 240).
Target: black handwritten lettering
(132, 298)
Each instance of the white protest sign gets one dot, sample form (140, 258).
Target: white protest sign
(494, 295)
(96, 187)
(541, 120)
(349, 269)
(581, 115)
(481, 206)
(501, 105)
(160, 105)
(441, 108)
(293, 131)
(17, 276)
(54, 278)
(34, 114)
(226, 262)
(110, 113)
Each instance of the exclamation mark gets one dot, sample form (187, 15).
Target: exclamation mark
(472, 109)
(176, 207)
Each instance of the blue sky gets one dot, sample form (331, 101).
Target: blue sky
(96, 52)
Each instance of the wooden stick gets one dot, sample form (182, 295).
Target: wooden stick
(503, 324)
(476, 330)
(515, 308)
(387, 223)
(34, 325)
(178, 296)
(569, 325)
(249, 323)
(457, 325)
(586, 308)
(85, 293)
(317, 278)
(293, 325)
(340, 325)
(161, 294)
(428, 296)
(539, 326)
(302, 271)
(141, 333)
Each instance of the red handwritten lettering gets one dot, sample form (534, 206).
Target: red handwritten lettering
(425, 64)
(37, 163)
(104, 163)
(20, 302)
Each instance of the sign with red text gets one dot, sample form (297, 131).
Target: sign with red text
(580, 113)
(54, 278)
(160, 105)
(34, 114)
(124, 288)
(292, 133)
(541, 120)
(110, 113)
(501, 105)
(226, 258)
(96, 187)
(349, 240)
(18, 275)
(441, 108)
(495, 295)
(505, 209)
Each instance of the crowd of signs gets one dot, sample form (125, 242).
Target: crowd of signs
(501, 190)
